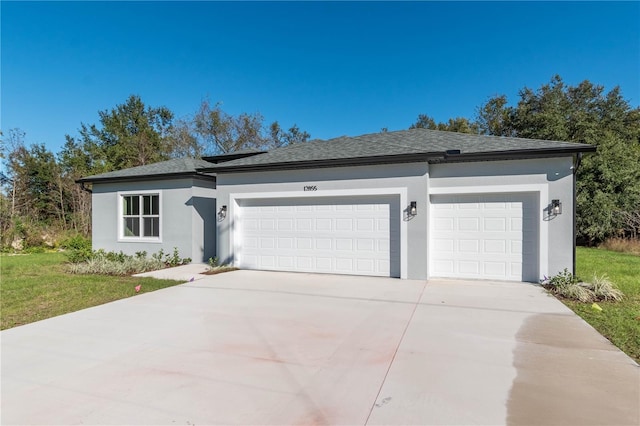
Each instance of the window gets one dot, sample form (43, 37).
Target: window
(140, 216)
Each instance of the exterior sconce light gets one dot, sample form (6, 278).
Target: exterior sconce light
(556, 207)
(413, 208)
(222, 213)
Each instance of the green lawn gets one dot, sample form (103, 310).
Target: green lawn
(35, 286)
(619, 321)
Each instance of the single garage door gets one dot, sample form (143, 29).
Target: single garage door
(489, 236)
(355, 235)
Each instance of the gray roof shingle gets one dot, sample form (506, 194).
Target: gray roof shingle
(175, 167)
(404, 145)
(400, 143)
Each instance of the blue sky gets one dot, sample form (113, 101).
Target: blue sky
(332, 68)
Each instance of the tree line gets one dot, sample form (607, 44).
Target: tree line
(40, 199)
(40, 195)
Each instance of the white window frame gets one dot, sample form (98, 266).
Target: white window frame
(120, 215)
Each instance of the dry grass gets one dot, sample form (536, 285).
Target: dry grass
(622, 245)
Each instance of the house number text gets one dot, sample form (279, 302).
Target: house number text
(310, 188)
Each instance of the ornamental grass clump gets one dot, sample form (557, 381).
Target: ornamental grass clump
(566, 285)
(604, 289)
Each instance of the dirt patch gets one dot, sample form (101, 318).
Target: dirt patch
(568, 374)
(219, 270)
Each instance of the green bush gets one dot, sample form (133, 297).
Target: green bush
(78, 249)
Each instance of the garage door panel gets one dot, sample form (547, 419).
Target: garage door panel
(467, 267)
(494, 224)
(350, 236)
(468, 246)
(495, 246)
(488, 236)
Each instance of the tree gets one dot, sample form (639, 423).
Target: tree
(458, 124)
(222, 133)
(424, 122)
(131, 134)
(608, 182)
(495, 117)
(74, 163)
(184, 141)
(36, 183)
(279, 138)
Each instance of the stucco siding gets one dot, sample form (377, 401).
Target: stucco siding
(187, 217)
(546, 179)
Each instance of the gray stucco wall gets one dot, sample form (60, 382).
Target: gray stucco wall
(549, 178)
(187, 212)
(412, 177)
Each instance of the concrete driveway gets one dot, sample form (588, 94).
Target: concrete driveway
(251, 347)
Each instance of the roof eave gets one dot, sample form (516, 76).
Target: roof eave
(163, 176)
(313, 164)
(435, 157)
(518, 154)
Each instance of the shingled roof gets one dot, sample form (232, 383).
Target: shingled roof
(400, 146)
(388, 147)
(178, 167)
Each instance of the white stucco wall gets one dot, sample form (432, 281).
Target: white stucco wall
(187, 217)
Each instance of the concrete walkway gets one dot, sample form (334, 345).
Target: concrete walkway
(251, 347)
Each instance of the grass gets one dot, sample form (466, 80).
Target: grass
(34, 287)
(619, 321)
(623, 245)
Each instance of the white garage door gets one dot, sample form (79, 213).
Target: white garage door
(330, 235)
(484, 236)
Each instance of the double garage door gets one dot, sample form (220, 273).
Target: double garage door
(337, 235)
(488, 236)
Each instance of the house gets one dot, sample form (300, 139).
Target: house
(411, 204)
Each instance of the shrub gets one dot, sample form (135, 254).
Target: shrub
(566, 285)
(171, 260)
(118, 263)
(110, 263)
(78, 249)
(175, 259)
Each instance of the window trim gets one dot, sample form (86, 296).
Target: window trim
(120, 217)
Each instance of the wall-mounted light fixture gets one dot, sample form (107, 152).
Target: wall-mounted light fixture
(556, 207)
(413, 208)
(222, 213)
